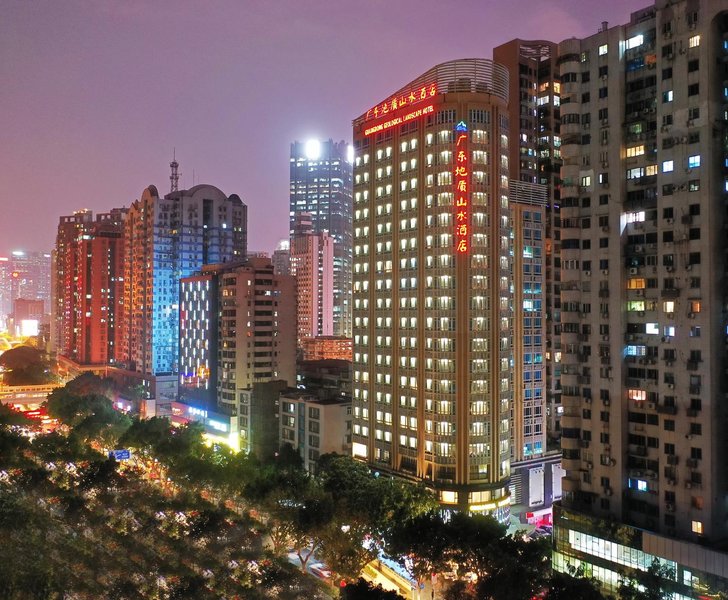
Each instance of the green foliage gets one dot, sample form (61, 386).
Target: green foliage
(572, 586)
(363, 590)
(26, 366)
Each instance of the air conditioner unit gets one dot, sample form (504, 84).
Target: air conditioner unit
(670, 221)
(605, 121)
(638, 249)
(688, 267)
(651, 405)
(608, 492)
(670, 269)
(605, 229)
(607, 402)
(607, 448)
(605, 338)
(640, 292)
(669, 363)
(589, 466)
(605, 165)
(612, 462)
(691, 315)
(605, 271)
(587, 273)
(641, 313)
(671, 482)
(633, 271)
(671, 386)
(688, 485)
(684, 139)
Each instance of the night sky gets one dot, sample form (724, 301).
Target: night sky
(95, 95)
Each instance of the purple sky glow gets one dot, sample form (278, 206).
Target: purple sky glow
(96, 95)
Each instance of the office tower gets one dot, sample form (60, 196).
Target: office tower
(237, 325)
(26, 275)
(167, 238)
(199, 328)
(88, 285)
(311, 262)
(26, 317)
(432, 299)
(282, 258)
(643, 207)
(536, 158)
(321, 187)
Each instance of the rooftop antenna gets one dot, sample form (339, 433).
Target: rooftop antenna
(174, 177)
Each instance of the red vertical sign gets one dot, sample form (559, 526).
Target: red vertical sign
(462, 189)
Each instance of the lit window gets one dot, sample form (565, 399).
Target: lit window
(667, 166)
(667, 96)
(603, 49)
(693, 161)
(635, 41)
(636, 151)
(694, 42)
(697, 527)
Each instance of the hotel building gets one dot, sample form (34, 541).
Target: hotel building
(320, 185)
(432, 298)
(644, 114)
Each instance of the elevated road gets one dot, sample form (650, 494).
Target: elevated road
(29, 396)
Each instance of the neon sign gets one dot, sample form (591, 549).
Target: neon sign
(399, 120)
(462, 189)
(402, 101)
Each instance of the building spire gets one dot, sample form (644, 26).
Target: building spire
(174, 177)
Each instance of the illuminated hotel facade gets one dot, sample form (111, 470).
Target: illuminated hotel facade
(644, 124)
(432, 299)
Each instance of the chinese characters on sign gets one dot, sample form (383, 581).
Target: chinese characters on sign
(402, 101)
(462, 188)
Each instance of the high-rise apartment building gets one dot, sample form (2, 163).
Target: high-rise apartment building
(88, 286)
(528, 203)
(644, 123)
(432, 300)
(237, 323)
(312, 257)
(321, 174)
(534, 104)
(167, 238)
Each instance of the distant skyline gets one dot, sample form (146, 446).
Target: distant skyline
(96, 96)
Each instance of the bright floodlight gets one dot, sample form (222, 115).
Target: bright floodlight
(313, 149)
(350, 153)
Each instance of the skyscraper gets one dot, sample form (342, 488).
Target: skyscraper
(321, 183)
(27, 275)
(432, 300)
(644, 113)
(166, 239)
(311, 262)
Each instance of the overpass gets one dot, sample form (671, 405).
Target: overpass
(30, 396)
